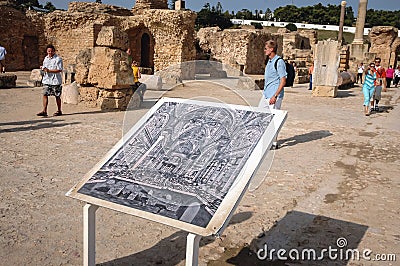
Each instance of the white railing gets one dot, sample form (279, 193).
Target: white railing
(300, 25)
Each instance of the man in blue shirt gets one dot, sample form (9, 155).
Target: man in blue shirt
(275, 80)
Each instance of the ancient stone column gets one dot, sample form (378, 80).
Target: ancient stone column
(362, 12)
(341, 23)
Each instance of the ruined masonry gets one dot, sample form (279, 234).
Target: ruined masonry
(88, 35)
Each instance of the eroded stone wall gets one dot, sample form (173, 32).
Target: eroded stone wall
(383, 43)
(171, 33)
(239, 49)
(22, 34)
(150, 4)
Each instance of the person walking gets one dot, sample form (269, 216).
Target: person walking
(310, 74)
(360, 73)
(275, 80)
(389, 76)
(396, 76)
(52, 80)
(3, 53)
(380, 84)
(369, 87)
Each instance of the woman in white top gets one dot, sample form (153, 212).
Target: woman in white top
(396, 76)
(360, 73)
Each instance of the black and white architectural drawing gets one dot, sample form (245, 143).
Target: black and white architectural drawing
(181, 162)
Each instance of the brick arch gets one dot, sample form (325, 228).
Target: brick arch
(141, 43)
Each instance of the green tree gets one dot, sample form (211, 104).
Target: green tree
(244, 14)
(218, 8)
(210, 17)
(291, 27)
(317, 14)
(382, 18)
(268, 14)
(49, 6)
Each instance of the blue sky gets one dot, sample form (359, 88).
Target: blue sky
(233, 5)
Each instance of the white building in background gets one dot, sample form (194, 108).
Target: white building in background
(299, 25)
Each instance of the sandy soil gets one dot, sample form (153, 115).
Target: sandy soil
(336, 175)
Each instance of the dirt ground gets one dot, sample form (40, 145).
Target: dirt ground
(336, 176)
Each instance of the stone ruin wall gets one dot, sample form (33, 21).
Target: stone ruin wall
(23, 36)
(150, 4)
(384, 43)
(239, 49)
(299, 47)
(171, 32)
(93, 34)
(244, 49)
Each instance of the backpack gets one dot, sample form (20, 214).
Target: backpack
(291, 74)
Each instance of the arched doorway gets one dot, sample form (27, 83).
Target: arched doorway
(145, 50)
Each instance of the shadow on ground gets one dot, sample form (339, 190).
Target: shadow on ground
(306, 137)
(344, 94)
(170, 250)
(304, 236)
(28, 125)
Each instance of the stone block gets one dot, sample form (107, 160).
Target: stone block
(109, 69)
(34, 83)
(35, 79)
(117, 94)
(88, 96)
(218, 74)
(36, 74)
(70, 93)
(135, 101)
(82, 66)
(8, 80)
(246, 83)
(324, 91)
(113, 37)
(152, 82)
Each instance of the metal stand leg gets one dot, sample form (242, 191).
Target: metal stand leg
(89, 234)
(192, 249)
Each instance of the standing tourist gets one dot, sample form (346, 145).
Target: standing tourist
(369, 88)
(3, 53)
(52, 80)
(380, 83)
(389, 76)
(310, 73)
(275, 79)
(360, 73)
(397, 76)
(139, 87)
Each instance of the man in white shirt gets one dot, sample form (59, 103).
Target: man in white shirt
(3, 53)
(52, 80)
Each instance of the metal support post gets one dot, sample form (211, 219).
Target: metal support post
(89, 234)
(192, 249)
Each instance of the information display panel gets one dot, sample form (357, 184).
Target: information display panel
(185, 163)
